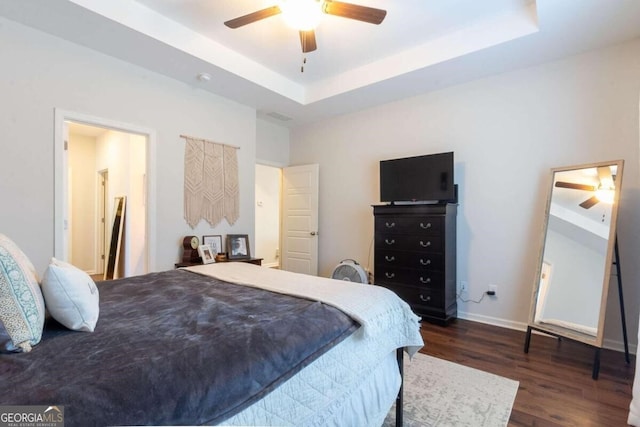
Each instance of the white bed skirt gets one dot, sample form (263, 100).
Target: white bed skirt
(353, 384)
(336, 390)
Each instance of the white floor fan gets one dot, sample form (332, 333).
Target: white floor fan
(349, 270)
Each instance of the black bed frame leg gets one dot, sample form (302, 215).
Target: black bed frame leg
(527, 340)
(400, 358)
(596, 364)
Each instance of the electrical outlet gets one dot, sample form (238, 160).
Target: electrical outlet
(493, 290)
(463, 286)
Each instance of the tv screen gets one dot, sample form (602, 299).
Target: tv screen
(416, 179)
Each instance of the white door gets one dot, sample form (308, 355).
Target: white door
(300, 219)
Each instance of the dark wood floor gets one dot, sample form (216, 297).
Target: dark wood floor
(556, 388)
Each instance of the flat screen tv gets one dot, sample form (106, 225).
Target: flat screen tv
(426, 178)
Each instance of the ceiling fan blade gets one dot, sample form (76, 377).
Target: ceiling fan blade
(590, 202)
(575, 186)
(308, 41)
(253, 17)
(354, 11)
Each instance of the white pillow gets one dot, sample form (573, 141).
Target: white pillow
(71, 296)
(21, 304)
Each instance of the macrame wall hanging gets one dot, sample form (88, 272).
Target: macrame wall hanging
(211, 190)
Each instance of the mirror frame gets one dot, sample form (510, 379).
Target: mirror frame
(559, 330)
(112, 264)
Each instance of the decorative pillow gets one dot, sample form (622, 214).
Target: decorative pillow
(71, 296)
(21, 303)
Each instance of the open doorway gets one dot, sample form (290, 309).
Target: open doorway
(102, 165)
(98, 161)
(267, 214)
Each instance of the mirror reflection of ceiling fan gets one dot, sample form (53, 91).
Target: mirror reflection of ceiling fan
(304, 15)
(604, 191)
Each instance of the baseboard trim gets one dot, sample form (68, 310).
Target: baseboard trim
(521, 326)
(619, 346)
(495, 321)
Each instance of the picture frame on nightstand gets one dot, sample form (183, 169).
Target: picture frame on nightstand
(238, 246)
(215, 241)
(206, 253)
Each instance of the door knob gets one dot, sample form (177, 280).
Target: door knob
(314, 233)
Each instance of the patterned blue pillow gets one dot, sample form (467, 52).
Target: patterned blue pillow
(21, 302)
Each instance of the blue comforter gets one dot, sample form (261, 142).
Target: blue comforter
(172, 348)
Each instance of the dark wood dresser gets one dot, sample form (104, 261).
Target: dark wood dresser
(415, 256)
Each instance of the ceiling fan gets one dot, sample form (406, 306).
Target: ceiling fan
(307, 34)
(604, 191)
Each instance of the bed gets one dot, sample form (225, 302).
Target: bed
(222, 344)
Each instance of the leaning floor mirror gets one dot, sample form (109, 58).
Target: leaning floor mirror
(577, 254)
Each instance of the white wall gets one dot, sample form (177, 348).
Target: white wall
(123, 155)
(46, 73)
(575, 283)
(82, 160)
(272, 153)
(113, 155)
(272, 144)
(136, 207)
(507, 131)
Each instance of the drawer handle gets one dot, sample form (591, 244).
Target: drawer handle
(423, 262)
(425, 245)
(425, 299)
(390, 242)
(390, 224)
(390, 275)
(425, 226)
(389, 258)
(425, 281)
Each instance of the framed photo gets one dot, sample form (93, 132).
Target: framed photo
(206, 254)
(215, 242)
(238, 246)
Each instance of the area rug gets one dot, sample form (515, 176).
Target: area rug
(441, 393)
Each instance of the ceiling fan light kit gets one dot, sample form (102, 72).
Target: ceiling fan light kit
(302, 15)
(603, 192)
(606, 195)
(305, 15)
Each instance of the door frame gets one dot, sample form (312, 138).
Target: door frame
(59, 181)
(101, 220)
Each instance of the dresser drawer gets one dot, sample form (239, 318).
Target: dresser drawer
(409, 277)
(428, 298)
(407, 242)
(423, 260)
(409, 224)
